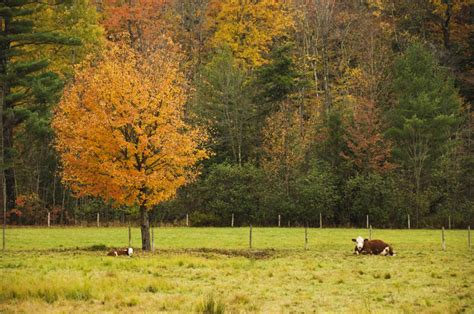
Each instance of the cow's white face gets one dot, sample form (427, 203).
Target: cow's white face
(359, 242)
(385, 251)
(130, 251)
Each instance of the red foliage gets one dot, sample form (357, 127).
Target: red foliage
(370, 152)
(138, 19)
(29, 210)
(14, 213)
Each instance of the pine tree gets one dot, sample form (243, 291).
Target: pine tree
(425, 116)
(26, 84)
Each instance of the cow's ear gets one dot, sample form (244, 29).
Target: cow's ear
(353, 240)
(365, 240)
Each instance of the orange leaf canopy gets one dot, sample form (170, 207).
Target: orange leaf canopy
(120, 129)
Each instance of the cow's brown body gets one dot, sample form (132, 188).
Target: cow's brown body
(375, 247)
(118, 252)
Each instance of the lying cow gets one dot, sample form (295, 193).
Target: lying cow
(117, 252)
(376, 247)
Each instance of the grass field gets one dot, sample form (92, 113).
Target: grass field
(194, 269)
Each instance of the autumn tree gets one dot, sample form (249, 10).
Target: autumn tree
(286, 141)
(190, 29)
(314, 21)
(140, 20)
(249, 28)
(369, 151)
(121, 134)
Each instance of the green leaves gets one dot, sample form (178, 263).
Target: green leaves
(427, 108)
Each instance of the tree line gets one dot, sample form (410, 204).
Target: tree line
(292, 108)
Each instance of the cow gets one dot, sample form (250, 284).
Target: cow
(116, 252)
(376, 247)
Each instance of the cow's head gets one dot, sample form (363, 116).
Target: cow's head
(129, 251)
(359, 243)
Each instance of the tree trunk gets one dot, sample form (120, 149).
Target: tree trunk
(445, 25)
(145, 228)
(417, 198)
(7, 125)
(61, 219)
(8, 159)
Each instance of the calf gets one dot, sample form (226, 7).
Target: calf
(117, 252)
(376, 247)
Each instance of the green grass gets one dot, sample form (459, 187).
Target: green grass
(210, 270)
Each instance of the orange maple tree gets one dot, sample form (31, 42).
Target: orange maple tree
(121, 134)
(140, 19)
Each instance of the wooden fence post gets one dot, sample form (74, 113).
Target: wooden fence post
(4, 194)
(443, 240)
(320, 221)
(232, 221)
(409, 221)
(187, 220)
(250, 237)
(129, 234)
(306, 237)
(279, 220)
(98, 220)
(469, 237)
(370, 232)
(49, 219)
(367, 221)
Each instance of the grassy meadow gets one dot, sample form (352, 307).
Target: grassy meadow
(199, 269)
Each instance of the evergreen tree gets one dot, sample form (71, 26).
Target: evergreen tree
(424, 117)
(276, 80)
(223, 103)
(26, 84)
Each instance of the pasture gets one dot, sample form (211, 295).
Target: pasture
(194, 269)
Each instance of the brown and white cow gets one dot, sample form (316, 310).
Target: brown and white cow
(116, 252)
(376, 247)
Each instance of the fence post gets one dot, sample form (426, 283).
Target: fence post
(367, 221)
(250, 237)
(370, 232)
(306, 237)
(320, 221)
(232, 221)
(129, 234)
(443, 241)
(187, 220)
(4, 194)
(98, 220)
(469, 237)
(49, 219)
(279, 220)
(408, 221)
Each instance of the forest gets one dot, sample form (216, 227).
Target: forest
(151, 110)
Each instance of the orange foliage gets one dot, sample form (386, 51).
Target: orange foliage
(287, 137)
(120, 129)
(139, 19)
(370, 152)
